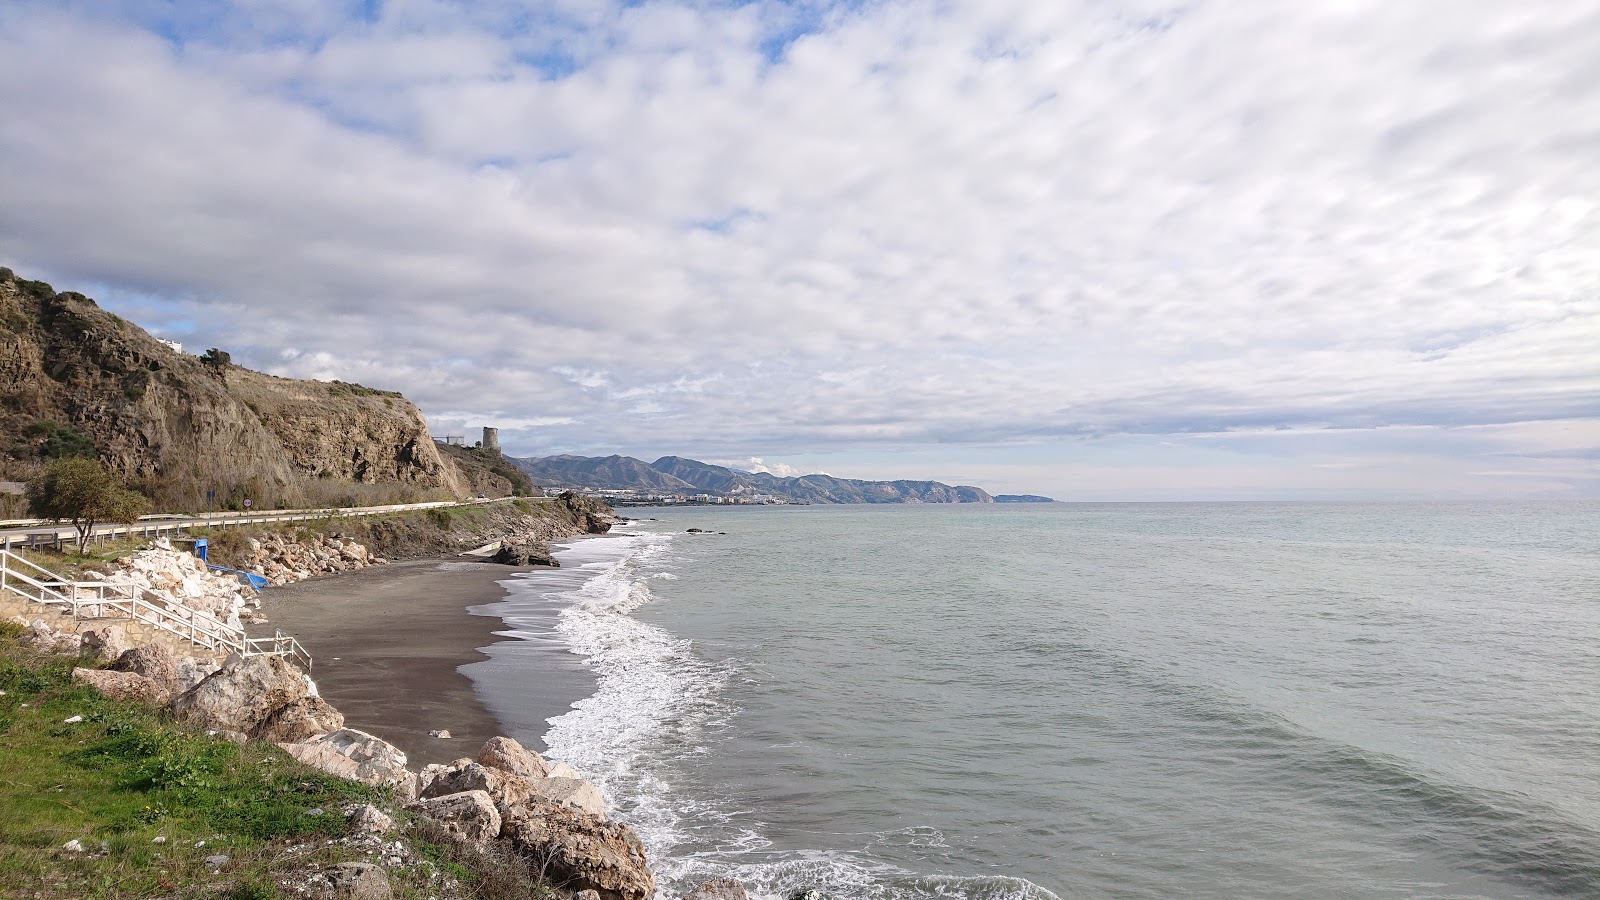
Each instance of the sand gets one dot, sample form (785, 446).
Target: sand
(388, 643)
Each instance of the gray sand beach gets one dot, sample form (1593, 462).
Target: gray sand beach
(389, 643)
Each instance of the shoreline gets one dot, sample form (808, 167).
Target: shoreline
(391, 643)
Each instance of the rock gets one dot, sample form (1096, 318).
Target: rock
(562, 770)
(241, 695)
(299, 721)
(524, 553)
(193, 670)
(358, 756)
(719, 889)
(217, 860)
(108, 642)
(586, 895)
(122, 685)
(69, 643)
(368, 819)
(358, 881)
(574, 792)
(73, 846)
(153, 661)
(442, 734)
(507, 755)
(469, 816)
(580, 851)
(72, 720)
(505, 789)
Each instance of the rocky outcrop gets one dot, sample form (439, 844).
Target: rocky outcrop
(122, 685)
(469, 816)
(244, 696)
(580, 851)
(284, 558)
(358, 756)
(181, 425)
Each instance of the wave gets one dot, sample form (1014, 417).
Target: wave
(658, 703)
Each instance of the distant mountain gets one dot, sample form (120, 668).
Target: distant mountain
(680, 475)
(601, 473)
(707, 477)
(1022, 498)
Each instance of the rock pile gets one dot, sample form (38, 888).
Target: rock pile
(283, 558)
(179, 581)
(545, 811)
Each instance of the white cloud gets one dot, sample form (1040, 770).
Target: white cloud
(757, 464)
(982, 223)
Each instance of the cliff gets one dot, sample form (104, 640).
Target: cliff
(179, 425)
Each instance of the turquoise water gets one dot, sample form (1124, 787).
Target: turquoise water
(1097, 700)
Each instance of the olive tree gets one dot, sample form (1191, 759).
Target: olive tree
(80, 490)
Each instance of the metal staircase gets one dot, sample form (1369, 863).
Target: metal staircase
(84, 600)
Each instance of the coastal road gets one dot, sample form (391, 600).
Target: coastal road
(37, 533)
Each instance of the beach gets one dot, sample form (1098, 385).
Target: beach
(389, 642)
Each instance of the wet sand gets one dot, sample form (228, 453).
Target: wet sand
(389, 642)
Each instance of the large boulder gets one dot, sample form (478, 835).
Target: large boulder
(358, 756)
(516, 552)
(192, 670)
(122, 685)
(241, 695)
(507, 755)
(580, 851)
(505, 789)
(573, 792)
(299, 721)
(108, 642)
(153, 661)
(469, 816)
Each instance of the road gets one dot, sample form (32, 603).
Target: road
(42, 533)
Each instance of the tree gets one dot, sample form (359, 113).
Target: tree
(215, 357)
(82, 492)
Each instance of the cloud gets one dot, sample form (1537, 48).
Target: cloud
(816, 227)
(757, 464)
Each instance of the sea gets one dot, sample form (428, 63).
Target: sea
(1084, 700)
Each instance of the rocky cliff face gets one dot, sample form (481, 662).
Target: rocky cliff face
(179, 426)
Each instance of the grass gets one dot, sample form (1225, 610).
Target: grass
(150, 802)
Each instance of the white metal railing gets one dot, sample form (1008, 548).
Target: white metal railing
(107, 599)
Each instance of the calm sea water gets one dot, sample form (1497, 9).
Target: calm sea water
(1094, 700)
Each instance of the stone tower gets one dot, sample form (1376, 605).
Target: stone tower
(491, 438)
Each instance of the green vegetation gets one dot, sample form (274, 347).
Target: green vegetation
(82, 492)
(148, 802)
(61, 441)
(215, 357)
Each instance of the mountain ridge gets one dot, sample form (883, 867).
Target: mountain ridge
(684, 476)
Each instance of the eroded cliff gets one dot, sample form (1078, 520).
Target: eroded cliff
(179, 425)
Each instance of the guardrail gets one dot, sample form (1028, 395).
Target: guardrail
(152, 528)
(200, 629)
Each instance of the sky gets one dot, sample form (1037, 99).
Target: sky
(1095, 249)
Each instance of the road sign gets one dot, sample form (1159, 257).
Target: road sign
(247, 503)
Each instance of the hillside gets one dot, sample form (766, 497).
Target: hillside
(683, 476)
(75, 377)
(600, 473)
